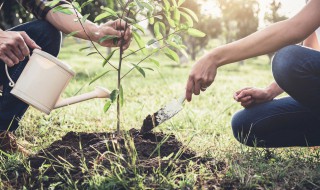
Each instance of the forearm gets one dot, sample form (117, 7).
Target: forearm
(259, 43)
(272, 38)
(274, 90)
(66, 23)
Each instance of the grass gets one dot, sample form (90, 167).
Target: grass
(205, 122)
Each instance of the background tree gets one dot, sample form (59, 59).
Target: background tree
(239, 18)
(208, 24)
(273, 15)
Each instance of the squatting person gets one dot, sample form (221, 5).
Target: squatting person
(44, 33)
(265, 121)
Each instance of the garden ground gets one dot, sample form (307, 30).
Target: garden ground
(203, 126)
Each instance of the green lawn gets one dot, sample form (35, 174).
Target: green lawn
(205, 121)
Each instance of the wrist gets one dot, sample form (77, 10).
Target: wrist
(271, 94)
(92, 31)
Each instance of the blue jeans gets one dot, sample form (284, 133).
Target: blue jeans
(11, 108)
(289, 121)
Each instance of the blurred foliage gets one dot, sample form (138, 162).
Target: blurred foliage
(13, 14)
(273, 15)
(208, 24)
(240, 18)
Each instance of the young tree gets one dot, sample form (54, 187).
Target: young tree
(167, 36)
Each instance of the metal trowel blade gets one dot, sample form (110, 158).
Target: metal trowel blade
(162, 115)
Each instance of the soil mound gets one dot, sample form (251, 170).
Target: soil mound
(77, 155)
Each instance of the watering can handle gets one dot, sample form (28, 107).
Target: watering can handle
(11, 83)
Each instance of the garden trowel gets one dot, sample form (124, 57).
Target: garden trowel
(164, 114)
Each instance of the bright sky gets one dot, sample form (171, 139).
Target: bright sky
(289, 7)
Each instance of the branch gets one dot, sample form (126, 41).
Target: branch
(95, 47)
(151, 43)
(144, 60)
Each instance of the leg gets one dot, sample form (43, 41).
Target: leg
(11, 108)
(296, 69)
(278, 123)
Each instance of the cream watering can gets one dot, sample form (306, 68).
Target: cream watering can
(44, 79)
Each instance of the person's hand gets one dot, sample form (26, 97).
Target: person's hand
(114, 28)
(201, 76)
(251, 96)
(14, 47)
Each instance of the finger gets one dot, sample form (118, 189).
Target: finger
(239, 91)
(32, 44)
(189, 88)
(197, 87)
(243, 94)
(247, 104)
(245, 99)
(120, 24)
(7, 60)
(18, 53)
(12, 57)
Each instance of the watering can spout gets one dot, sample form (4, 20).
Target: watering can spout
(99, 92)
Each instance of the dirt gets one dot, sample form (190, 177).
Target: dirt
(149, 123)
(77, 155)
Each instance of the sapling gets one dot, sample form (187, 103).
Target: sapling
(168, 18)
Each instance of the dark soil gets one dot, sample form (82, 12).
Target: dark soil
(67, 157)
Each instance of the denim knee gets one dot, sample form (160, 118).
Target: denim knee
(46, 36)
(241, 127)
(286, 66)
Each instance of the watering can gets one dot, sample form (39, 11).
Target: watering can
(44, 79)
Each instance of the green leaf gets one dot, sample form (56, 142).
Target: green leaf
(137, 26)
(155, 62)
(139, 41)
(191, 13)
(170, 21)
(176, 15)
(107, 37)
(196, 33)
(72, 34)
(102, 16)
(180, 2)
(91, 53)
(147, 6)
(108, 58)
(139, 69)
(148, 68)
(121, 95)
(76, 6)
(139, 4)
(150, 18)
(152, 41)
(156, 30)
(112, 12)
(174, 3)
(172, 55)
(84, 18)
(166, 5)
(86, 3)
(113, 95)
(84, 48)
(98, 77)
(107, 106)
(64, 10)
(189, 20)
